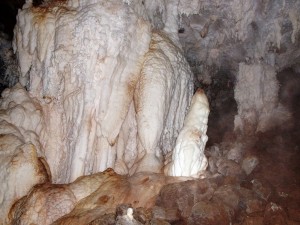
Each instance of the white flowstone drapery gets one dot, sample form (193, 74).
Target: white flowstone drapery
(107, 86)
(112, 83)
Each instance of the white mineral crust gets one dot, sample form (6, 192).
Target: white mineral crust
(21, 163)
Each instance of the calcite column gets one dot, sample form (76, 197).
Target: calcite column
(188, 158)
(256, 93)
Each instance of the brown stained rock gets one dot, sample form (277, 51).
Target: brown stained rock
(208, 213)
(107, 219)
(183, 196)
(290, 222)
(250, 202)
(88, 198)
(249, 164)
(294, 214)
(44, 204)
(253, 221)
(228, 195)
(275, 215)
(158, 222)
(262, 188)
(254, 206)
(228, 168)
(158, 213)
(142, 215)
(20, 168)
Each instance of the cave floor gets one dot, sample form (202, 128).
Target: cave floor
(279, 171)
(278, 151)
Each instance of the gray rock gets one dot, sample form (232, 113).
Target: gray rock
(213, 151)
(249, 164)
(235, 154)
(212, 164)
(169, 215)
(181, 197)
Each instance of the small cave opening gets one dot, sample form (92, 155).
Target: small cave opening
(289, 92)
(8, 13)
(8, 65)
(223, 107)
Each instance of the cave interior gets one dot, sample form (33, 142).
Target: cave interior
(58, 168)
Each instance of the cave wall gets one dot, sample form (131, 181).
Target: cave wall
(250, 42)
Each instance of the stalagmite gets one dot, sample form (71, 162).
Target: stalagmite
(256, 93)
(188, 157)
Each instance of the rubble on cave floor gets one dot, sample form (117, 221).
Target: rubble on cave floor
(229, 193)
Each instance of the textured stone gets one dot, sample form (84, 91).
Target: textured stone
(228, 195)
(235, 153)
(249, 164)
(208, 213)
(158, 222)
(88, 198)
(169, 214)
(249, 220)
(275, 215)
(250, 202)
(262, 188)
(294, 213)
(142, 215)
(228, 168)
(44, 205)
(183, 196)
(212, 164)
(107, 219)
